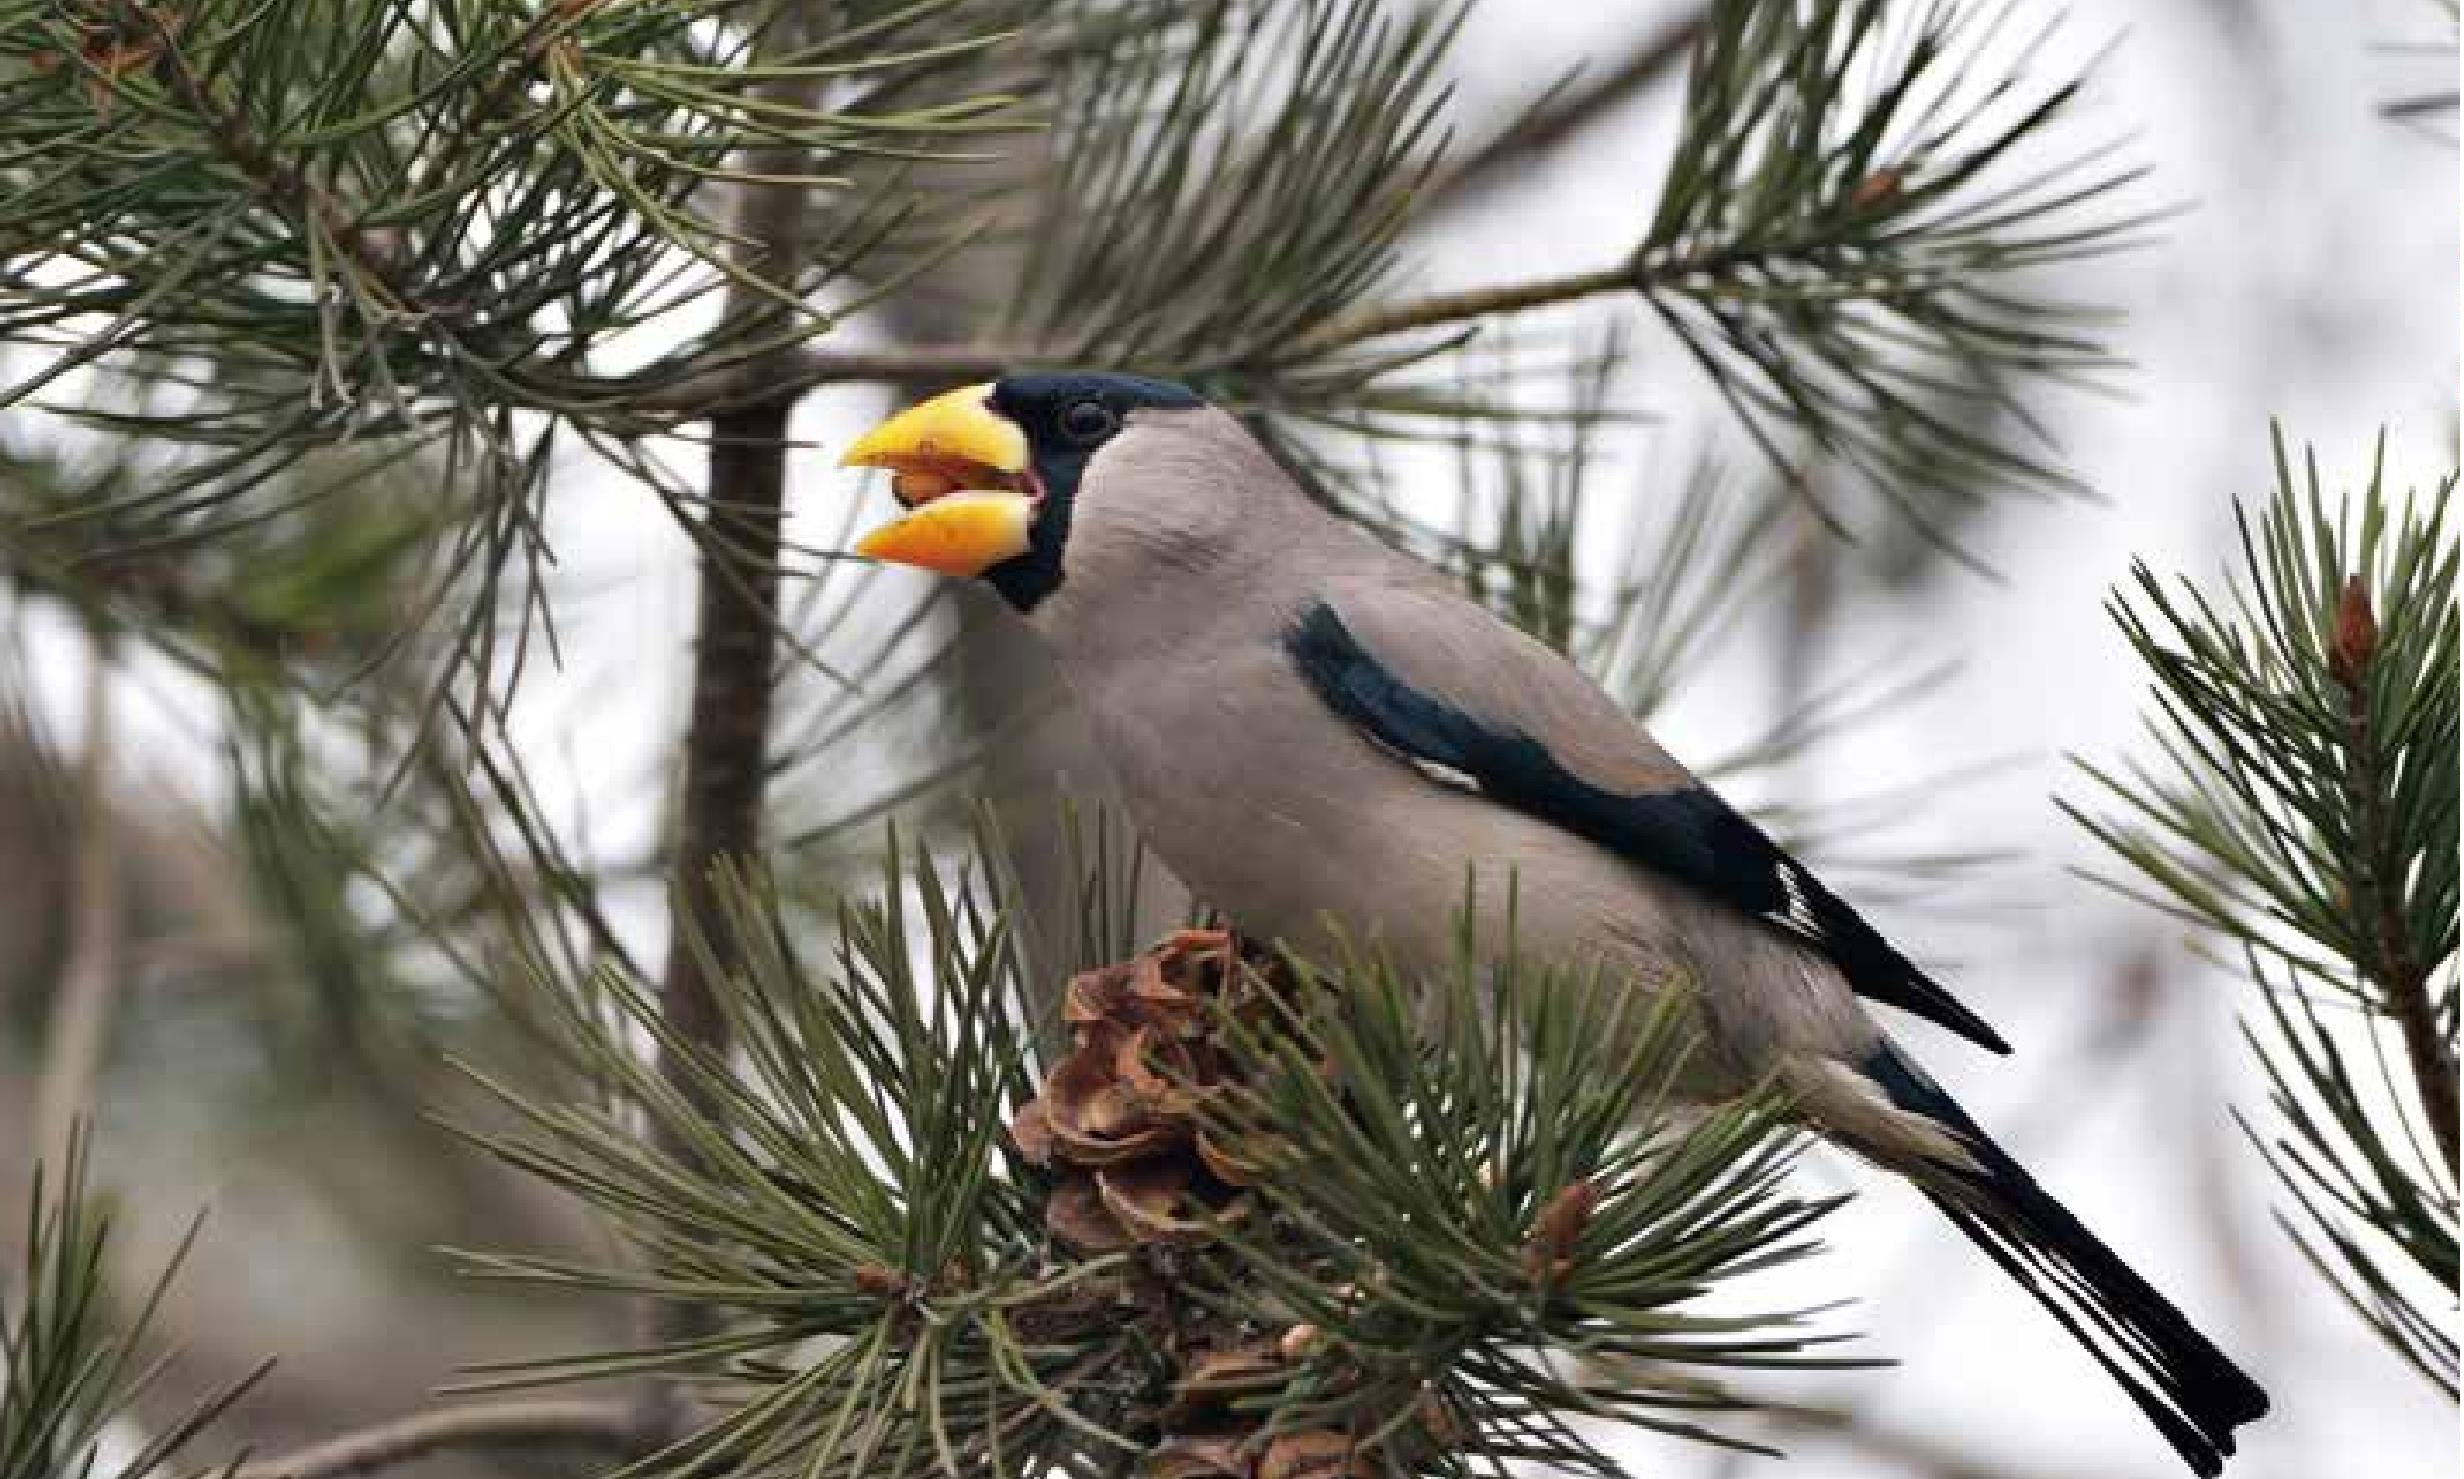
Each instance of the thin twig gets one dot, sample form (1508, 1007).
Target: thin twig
(1560, 117)
(608, 1428)
(81, 1010)
(721, 393)
(1442, 310)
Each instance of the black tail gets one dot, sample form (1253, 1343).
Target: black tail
(2192, 1391)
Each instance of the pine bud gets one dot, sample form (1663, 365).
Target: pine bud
(1549, 1256)
(881, 1282)
(2356, 636)
(1877, 189)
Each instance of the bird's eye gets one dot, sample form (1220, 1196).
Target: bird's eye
(1088, 422)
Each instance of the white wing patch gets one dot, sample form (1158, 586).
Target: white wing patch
(1444, 774)
(1797, 915)
(1451, 777)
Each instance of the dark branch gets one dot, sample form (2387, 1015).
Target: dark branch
(728, 723)
(726, 755)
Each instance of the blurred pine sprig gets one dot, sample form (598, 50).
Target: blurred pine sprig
(2432, 108)
(438, 229)
(2304, 806)
(69, 1368)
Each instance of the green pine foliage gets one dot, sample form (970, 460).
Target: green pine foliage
(422, 230)
(1853, 236)
(848, 1195)
(69, 1368)
(314, 303)
(1226, 184)
(2303, 808)
(463, 235)
(1484, 1195)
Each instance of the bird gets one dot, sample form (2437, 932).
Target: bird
(1320, 735)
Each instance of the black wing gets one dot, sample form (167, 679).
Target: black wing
(1687, 834)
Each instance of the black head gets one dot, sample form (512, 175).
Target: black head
(1067, 415)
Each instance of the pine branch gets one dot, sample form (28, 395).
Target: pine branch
(2375, 865)
(606, 1429)
(2306, 809)
(808, 369)
(278, 183)
(1850, 243)
(988, 359)
(1446, 310)
(1251, 1216)
(409, 230)
(1856, 239)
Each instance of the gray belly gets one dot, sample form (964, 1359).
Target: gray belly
(1300, 829)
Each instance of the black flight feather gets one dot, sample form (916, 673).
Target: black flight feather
(1689, 835)
(2192, 1391)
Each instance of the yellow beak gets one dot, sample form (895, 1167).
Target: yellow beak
(959, 465)
(958, 534)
